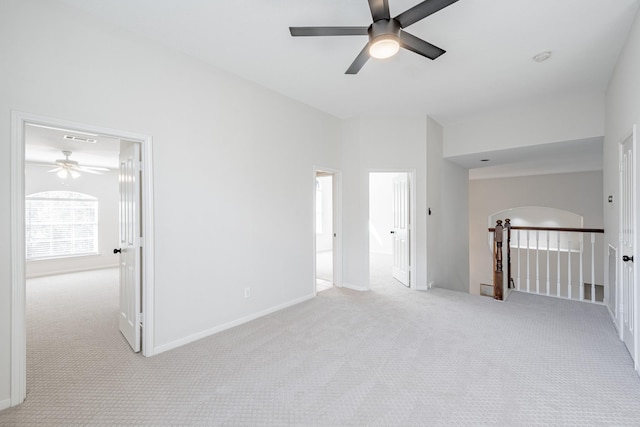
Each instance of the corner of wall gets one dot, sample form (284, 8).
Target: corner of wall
(448, 223)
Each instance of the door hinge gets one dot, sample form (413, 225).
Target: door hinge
(140, 319)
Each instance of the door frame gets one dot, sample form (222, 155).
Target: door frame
(337, 224)
(411, 177)
(633, 135)
(18, 355)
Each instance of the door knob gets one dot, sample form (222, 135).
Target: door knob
(393, 232)
(117, 251)
(626, 258)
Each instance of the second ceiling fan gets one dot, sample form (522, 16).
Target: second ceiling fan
(67, 167)
(386, 34)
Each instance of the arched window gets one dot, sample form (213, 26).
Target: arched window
(61, 224)
(540, 216)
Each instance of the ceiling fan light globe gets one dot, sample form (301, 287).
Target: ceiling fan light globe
(384, 48)
(74, 174)
(62, 173)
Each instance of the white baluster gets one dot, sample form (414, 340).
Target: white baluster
(558, 276)
(537, 261)
(569, 269)
(581, 283)
(528, 273)
(593, 267)
(548, 282)
(518, 259)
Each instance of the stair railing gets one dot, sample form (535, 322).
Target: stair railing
(552, 261)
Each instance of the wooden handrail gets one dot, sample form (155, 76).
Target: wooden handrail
(573, 230)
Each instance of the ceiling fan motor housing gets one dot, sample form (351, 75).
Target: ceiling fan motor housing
(66, 162)
(384, 29)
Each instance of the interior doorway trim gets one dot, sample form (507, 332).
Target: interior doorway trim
(411, 175)
(18, 259)
(337, 224)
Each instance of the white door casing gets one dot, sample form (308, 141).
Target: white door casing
(130, 244)
(627, 290)
(337, 224)
(18, 296)
(400, 231)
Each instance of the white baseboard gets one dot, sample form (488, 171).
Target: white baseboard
(4, 404)
(203, 334)
(611, 313)
(354, 287)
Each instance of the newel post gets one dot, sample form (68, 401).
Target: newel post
(507, 224)
(497, 262)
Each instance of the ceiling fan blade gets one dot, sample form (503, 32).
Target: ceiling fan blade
(421, 11)
(379, 9)
(359, 62)
(84, 169)
(419, 46)
(95, 168)
(327, 31)
(56, 169)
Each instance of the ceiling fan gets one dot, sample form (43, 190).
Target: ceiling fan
(67, 167)
(386, 34)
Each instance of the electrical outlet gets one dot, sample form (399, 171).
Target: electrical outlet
(247, 292)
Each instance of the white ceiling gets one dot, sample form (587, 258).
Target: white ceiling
(488, 64)
(489, 44)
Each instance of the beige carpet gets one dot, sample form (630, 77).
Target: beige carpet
(391, 357)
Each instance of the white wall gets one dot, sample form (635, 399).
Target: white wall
(563, 119)
(105, 189)
(381, 212)
(218, 142)
(580, 193)
(622, 112)
(448, 226)
(377, 144)
(355, 210)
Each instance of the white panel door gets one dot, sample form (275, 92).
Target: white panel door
(130, 280)
(400, 230)
(628, 241)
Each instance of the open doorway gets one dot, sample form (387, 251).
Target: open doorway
(60, 207)
(390, 231)
(324, 230)
(71, 201)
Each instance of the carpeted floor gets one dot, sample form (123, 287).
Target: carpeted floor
(389, 357)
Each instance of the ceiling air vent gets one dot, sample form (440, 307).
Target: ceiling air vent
(80, 139)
